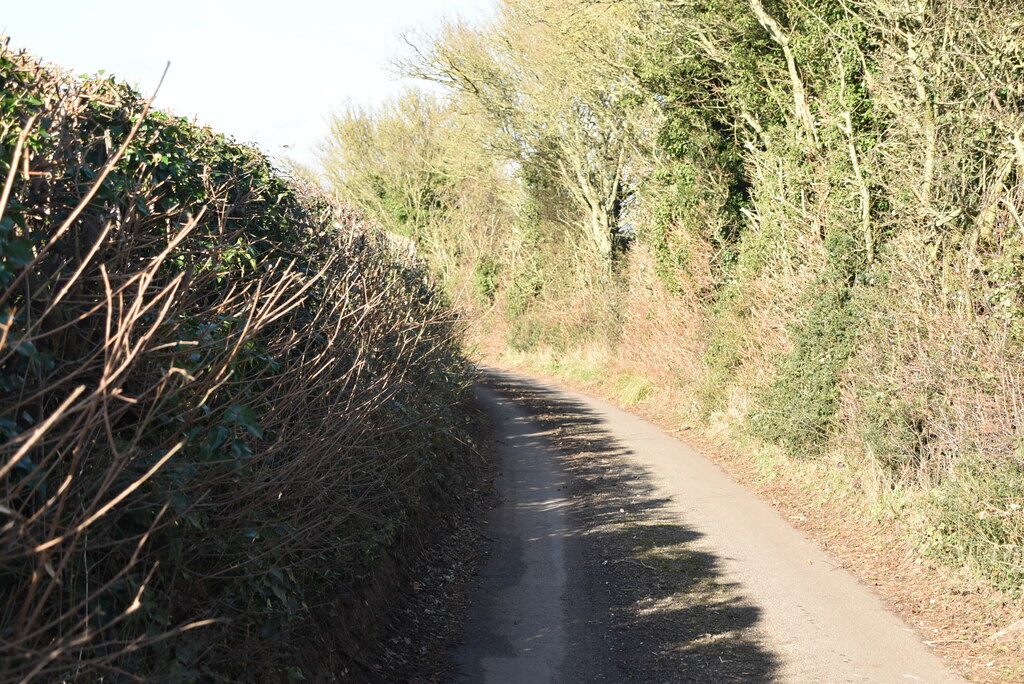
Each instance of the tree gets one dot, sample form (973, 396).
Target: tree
(549, 79)
(390, 160)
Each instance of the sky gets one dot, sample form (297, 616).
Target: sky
(265, 72)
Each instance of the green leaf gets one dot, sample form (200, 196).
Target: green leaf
(18, 252)
(26, 348)
(246, 417)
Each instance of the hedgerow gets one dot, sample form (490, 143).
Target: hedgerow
(803, 220)
(224, 401)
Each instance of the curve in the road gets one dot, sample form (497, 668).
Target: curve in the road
(814, 621)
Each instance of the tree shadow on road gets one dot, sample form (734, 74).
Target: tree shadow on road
(640, 581)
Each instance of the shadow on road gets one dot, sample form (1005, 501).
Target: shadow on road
(656, 606)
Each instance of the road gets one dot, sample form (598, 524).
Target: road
(619, 554)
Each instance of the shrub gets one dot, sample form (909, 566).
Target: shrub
(977, 519)
(797, 410)
(485, 279)
(223, 400)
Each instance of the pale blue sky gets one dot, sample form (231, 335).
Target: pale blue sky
(263, 71)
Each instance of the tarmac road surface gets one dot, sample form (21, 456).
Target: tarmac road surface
(546, 608)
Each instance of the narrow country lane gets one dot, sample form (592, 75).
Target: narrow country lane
(618, 554)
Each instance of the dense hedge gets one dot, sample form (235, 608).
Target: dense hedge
(222, 400)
